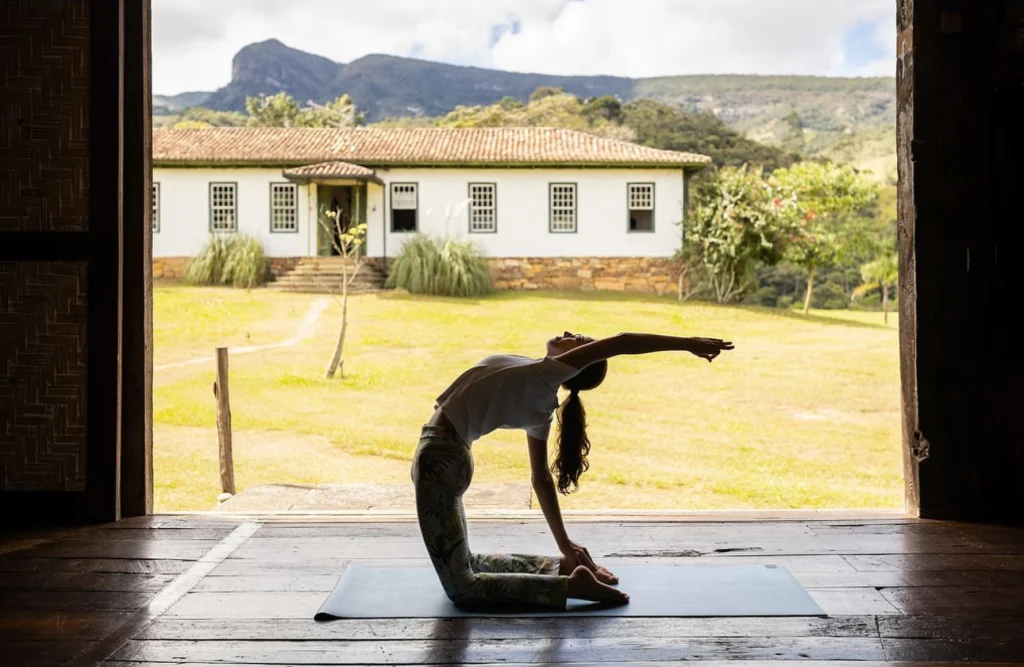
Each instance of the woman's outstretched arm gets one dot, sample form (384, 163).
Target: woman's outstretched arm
(641, 343)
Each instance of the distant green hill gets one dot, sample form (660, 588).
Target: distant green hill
(852, 119)
(166, 104)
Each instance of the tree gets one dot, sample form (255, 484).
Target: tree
(279, 110)
(347, 239)
(733, 226)
(606, 107)
(813, 200)
(340, 112)
(882, 273)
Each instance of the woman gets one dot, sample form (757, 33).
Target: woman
(508, 391)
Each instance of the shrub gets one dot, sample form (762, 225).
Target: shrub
(785, 302)
(440, 267)
(766, 296)
(228, 260)
(871, 302)
(830, 296)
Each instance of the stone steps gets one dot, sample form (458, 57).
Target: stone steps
(324, 275)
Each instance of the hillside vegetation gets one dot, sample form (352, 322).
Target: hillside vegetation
(847, 119)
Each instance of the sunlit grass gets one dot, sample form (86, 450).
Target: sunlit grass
(803, 414)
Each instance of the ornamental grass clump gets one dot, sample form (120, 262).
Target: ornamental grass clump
(237, 260)
(440, 267)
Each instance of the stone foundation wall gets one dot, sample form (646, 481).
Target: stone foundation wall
(652, 275)
(173, 268)
(168, 268)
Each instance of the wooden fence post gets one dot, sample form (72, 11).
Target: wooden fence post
(220, 390)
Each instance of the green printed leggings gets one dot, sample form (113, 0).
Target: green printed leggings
(441, 471)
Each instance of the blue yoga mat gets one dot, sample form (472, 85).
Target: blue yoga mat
(365, 591)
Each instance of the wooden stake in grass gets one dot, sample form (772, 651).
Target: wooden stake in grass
(220, 390)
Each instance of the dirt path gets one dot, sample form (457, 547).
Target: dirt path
(306, 329)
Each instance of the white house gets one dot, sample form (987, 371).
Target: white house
(550, 207)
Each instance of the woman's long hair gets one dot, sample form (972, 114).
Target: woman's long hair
(573, 443)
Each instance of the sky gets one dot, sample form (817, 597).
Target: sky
(194, 40)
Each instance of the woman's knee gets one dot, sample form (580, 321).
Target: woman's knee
(463, 590)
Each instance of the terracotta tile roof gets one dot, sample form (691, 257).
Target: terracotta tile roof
(393, 146)
(331, 169)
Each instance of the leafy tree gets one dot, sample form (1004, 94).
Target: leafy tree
(733, 227)
(607, 107)
(814, 200)
(279, 110)
(883, 274)
(340, 112)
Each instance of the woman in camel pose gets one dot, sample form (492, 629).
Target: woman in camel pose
(508, 391)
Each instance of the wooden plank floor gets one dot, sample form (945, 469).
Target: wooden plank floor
(203, 591)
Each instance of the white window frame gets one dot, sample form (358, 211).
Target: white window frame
(483, 208)
(155, 210)
(639, 197)
(563, 218)
(284, 217)
(402, 189)
(216, 208)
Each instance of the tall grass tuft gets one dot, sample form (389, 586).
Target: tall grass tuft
(246, 264)
(228, 260)
(440, 267)
(207, 267)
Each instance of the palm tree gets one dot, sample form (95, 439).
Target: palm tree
(882, 273)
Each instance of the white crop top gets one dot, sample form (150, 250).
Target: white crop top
(505, 391)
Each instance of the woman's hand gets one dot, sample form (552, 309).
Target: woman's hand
(708, 348)
(576, 554)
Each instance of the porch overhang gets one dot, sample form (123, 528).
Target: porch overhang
(332, 173)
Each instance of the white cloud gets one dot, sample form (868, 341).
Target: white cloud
(194, 40)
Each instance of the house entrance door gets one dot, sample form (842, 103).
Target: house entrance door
(332, 199)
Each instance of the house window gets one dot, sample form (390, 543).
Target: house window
(223, 207)
(563, 207)
(404, 204)
(156, 208)
(284, 207)
(483, 207)
(641, 207)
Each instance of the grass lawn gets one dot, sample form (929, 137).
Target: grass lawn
(803, 414)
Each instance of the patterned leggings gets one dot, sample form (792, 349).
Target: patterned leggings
(442, 470)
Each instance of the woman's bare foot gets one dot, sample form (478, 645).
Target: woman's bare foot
(602, 574)
(583, 585)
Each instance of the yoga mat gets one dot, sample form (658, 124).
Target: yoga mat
(364, 591)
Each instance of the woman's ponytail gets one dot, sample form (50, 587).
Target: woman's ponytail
(573, 443)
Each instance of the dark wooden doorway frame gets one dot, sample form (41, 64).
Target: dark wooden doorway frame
(114, 253)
